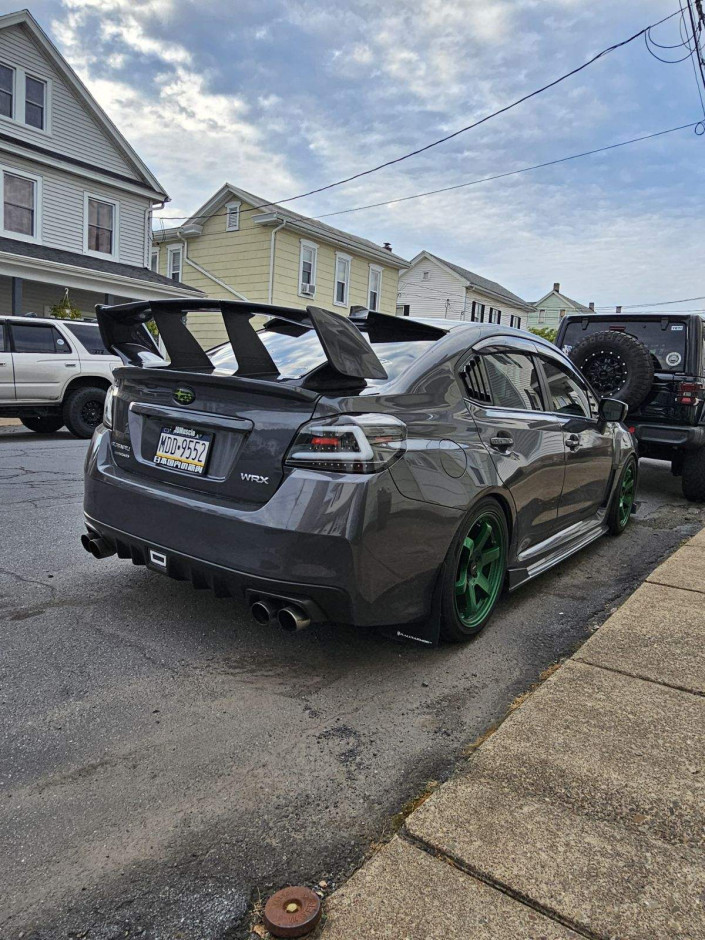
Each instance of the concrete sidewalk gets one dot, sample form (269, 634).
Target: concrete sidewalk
(583, 815)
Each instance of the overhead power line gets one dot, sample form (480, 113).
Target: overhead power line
(660, 303)
(469, 127)
(498, 176)
(484, 179)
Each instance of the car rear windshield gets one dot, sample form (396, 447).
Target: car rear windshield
(297, 351)
(89, 337)
(664, 337)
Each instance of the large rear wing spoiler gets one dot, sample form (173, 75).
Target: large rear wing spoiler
(124, 332)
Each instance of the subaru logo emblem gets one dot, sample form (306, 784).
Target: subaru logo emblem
(184, 396)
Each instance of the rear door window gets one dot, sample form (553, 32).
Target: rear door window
(38, 338)
(89, 337)
(514, 381)
(665, 338)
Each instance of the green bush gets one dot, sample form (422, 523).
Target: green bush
(545, 332)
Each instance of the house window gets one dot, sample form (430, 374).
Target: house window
(175, 263)
(101, 226)
(426, 275)
(561, 314)
(477, 313)
(34, 102)
(542, 315)
(7, 91)
(374, 288)
(19, 205)
(342, 280)
(232, 217)
(307, 269)
(154, 260)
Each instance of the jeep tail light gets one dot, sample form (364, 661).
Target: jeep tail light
(365, 443)
(689, 393)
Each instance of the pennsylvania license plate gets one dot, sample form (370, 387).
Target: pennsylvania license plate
(182, 448)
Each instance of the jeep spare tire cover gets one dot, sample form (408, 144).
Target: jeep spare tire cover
(616, 365)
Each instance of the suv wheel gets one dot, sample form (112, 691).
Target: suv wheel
(693, 480)
(475, 571)
(45, 424)
(83, 411)
(616, 365)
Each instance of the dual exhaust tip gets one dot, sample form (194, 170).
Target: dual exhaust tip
(99, 548)
(291, 617)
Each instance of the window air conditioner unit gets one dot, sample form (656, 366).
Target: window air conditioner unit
(308, 289)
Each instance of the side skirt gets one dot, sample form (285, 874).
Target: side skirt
(519, 575)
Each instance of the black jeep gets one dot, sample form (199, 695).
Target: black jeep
(656, 364)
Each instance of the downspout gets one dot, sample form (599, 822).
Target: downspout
(272, 245)
(212, 277)
(149, 230)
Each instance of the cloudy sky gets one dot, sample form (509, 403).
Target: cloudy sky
(280, 96)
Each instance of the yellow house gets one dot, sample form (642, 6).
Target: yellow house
(238, 246)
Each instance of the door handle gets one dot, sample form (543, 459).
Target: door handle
(502, 443)
(572, 442)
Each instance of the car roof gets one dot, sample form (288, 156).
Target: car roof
(15, 318)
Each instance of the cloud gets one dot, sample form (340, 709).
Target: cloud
(281, 96)
(194, 138)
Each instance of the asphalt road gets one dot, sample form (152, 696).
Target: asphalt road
(164, 761)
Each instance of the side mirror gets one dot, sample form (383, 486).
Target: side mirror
(611, 409)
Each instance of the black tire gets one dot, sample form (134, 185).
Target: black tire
(47, 424)
(453, 627)
(616, 365)
(693, 479)
(615, 518)
(83, 410)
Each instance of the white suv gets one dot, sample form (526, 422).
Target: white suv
(54, 373)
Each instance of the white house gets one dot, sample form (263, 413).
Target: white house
(550, 310)
(75, 199)
(432, 287)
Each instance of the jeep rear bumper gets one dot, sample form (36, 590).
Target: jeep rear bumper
(680, 437)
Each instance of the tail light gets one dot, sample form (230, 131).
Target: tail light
(365, 443)
(108, 406)
(689, 393)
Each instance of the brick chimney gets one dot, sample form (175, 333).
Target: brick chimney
(591, 305)
(557, 288)
(387, 246)
(618, 310)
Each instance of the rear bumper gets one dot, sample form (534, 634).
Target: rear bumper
(362, 552)
(683, 437)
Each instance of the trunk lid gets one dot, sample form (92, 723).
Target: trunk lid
(248, 425)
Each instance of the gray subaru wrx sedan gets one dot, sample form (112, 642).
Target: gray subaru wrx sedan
(368, 470)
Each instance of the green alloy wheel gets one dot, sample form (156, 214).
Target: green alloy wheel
(623, 502)
(478, 565)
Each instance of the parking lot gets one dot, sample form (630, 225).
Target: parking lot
(163, 759)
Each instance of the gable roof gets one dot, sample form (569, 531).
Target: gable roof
(477, 281)
(311, 227)
(567, 300)
(24, 18)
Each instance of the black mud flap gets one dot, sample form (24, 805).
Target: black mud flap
(426, 632)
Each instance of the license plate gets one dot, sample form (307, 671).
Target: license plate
(182, 448)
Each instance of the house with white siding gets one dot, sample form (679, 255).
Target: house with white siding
(238, 246)
(432, 287)
(553, 306)
(76, 200)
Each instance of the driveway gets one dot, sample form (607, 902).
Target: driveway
(164, 759)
